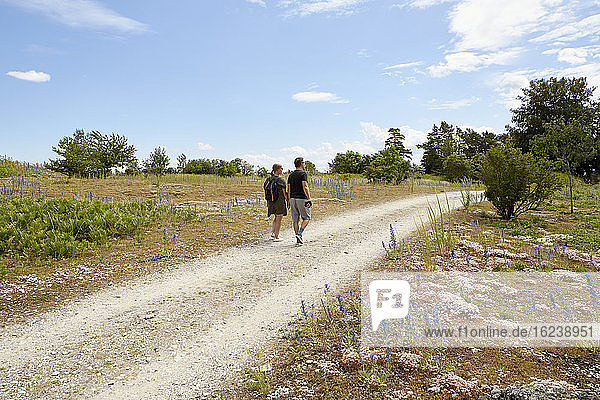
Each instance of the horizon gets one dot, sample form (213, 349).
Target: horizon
(267, 81)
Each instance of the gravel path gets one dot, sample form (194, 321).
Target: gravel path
(185, 334)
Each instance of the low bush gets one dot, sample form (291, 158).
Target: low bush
(59, 227)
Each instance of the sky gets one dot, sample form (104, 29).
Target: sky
(270, 80)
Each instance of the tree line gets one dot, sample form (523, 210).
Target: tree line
(556, 126)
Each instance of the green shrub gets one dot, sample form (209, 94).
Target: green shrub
(457, 167)
(58, 227)
(517, 182)
(5, 172)
(586, 236)
(388, 166)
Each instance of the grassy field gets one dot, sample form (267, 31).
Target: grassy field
(64, 237)
(320, 355)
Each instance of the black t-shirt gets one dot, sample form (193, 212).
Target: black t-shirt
(295, 181)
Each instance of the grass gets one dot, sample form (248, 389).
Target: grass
(226, 212)
(59, 228)
(320, 354)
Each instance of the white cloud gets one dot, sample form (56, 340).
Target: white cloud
(310, 7)
(372, 133)
(259, 2)
(313, 97)
(575, 55)
(452, 105)
(405, 65)
(572, 30)
(363, 53)
(427, 3)
(509, 85)
(204, 146)
(31, 76)
(81, 14)
(267, 161)
(488, 25)
(470, 61)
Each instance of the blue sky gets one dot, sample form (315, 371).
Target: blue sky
(267, 80)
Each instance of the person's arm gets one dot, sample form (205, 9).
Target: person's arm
(306, 191)
(288, 193)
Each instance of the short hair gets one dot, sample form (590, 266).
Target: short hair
(276, 167)
(298, 161)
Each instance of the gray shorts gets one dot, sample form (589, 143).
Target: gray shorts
(299, 209)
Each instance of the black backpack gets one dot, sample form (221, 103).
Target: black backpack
(271, 189)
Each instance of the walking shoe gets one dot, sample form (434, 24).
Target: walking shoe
(272, 235)
(277, 239)
(299, 238)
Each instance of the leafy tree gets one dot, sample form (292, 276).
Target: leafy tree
(108, 152)
(242, 167)
(457, 167)
(472, 144)
(75, 153)
(199, 167)
(132, 167)
(157, 163)
(568, 142)
(516, 182)
(224, 168)
(349, 162)
(396, 139)
(439, 145)
(262, 172)
(85, 154)
(548, 101)
(181, 162)
(388, 165)
(310, 167)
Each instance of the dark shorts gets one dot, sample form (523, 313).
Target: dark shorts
(277, 207)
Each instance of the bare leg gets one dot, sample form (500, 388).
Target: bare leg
(277, 225)
(296, 227)
(304, 223)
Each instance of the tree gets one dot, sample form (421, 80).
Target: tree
(310, 167)
(242, 167)
(157, 163)
(75, 153)
(199, 167)
(224, 168)
(568, 142)
(108, 152)
(181, 163)
(439, 145)
(93, 153)
(349, 162)
(132, 167)
(396, 140)
(457, 167)
(389, 166)
(262, 172)
(516, 182)
(552, 100)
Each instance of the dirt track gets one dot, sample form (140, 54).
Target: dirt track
(180, 335)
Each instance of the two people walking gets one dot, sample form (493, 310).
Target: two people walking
(295, 196)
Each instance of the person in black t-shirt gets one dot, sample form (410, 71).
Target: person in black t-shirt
(300, 201)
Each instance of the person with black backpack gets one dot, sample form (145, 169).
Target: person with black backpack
(277, 198)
